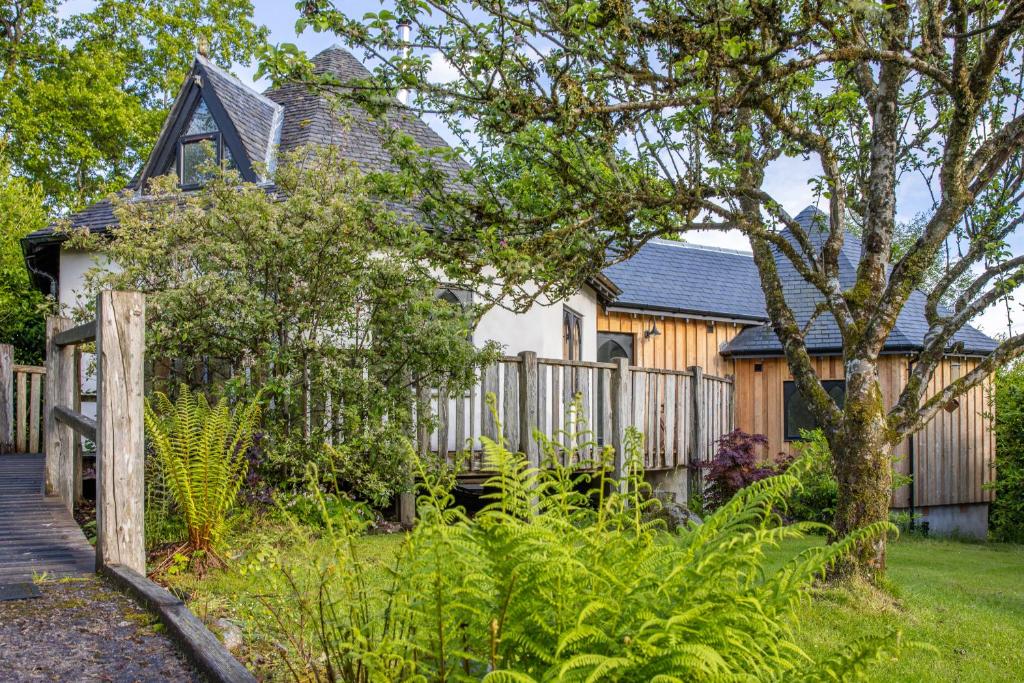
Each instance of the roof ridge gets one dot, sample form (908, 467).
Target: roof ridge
(703, 247)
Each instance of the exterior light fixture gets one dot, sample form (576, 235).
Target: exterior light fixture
(653, 332)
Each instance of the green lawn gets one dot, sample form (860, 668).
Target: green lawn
(965, 600)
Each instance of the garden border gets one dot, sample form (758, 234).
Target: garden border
(203, 648)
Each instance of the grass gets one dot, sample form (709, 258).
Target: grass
(966, 600)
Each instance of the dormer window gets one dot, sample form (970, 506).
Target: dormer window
(201, 145)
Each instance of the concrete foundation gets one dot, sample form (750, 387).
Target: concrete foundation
(967, 521)
(673, 482)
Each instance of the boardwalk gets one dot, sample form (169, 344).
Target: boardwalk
(37, 534)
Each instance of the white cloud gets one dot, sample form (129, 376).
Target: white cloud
(441, 70)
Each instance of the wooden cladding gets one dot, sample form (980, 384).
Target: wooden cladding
(683, 342)
(21, 404)
(953, 454)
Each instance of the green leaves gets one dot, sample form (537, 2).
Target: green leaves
(202, 450)
(548, 583)
(318, 295)
(83, 95)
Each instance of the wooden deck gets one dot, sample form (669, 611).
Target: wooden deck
(37, 533)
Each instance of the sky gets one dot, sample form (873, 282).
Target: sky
(787, 180)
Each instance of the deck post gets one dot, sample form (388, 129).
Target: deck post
(621, 402)
(696, 455)
(120, 464)
(529, 410)
(6, 396)
(59, 389)
(407, 499)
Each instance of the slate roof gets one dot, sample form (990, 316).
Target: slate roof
(672, 276)
(256, 117)
(291, 116)
(823, 335)
(310, 119)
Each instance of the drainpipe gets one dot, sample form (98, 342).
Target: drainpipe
(910, 457)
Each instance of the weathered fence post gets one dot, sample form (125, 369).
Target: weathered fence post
(6, 395)
(76, 405)
(120, 464)
(696, 455)
(529, 409)
(621, 401)
(59, 390)
(407, 499)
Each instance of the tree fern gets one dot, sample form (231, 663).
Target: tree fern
(201, 450)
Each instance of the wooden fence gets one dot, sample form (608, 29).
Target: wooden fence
(117, 431)
(21, 404)
(681, 414)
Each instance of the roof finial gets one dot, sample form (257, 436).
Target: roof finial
(203, 46)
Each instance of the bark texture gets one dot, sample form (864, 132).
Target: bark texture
(862, 453)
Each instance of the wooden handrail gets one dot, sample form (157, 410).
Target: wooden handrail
(29, 369)
(117, 431)
(80, 334)
(82, 424)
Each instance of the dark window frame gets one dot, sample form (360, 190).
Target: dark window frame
(604, 336)
(218, 143)
(164, 157)
(790, 392)
(572, 334)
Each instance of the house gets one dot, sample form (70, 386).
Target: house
(672, 306)
(249, 131)
(685, 305)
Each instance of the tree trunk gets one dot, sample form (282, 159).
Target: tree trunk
(863, 462)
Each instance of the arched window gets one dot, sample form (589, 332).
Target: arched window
(572, 334)
(612, 345)
(449, 296)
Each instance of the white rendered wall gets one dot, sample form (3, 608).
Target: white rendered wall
(74, 264)
(71, 295)
(540, 328)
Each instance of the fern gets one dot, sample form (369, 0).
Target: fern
(201, 450)
(547, 583)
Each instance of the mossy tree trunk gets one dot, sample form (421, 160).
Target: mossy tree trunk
(862, 455)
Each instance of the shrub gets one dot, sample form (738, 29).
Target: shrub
(1006, 516)
(737, 464)
(317, 296)
(544, 585)
(201, 450)
(815, 500)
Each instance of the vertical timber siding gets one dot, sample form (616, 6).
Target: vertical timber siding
(683, 342)
(953, 453)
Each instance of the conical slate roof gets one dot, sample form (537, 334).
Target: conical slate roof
(311, 119)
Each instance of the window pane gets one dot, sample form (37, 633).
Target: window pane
(797, 414)
(202, 121)
(195, 155)
(612, 345)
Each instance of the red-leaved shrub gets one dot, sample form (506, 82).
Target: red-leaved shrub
(737, 463)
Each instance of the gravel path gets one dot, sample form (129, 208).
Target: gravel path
(84, 630)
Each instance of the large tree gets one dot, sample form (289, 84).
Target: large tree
(82, 98)
(595, 125)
